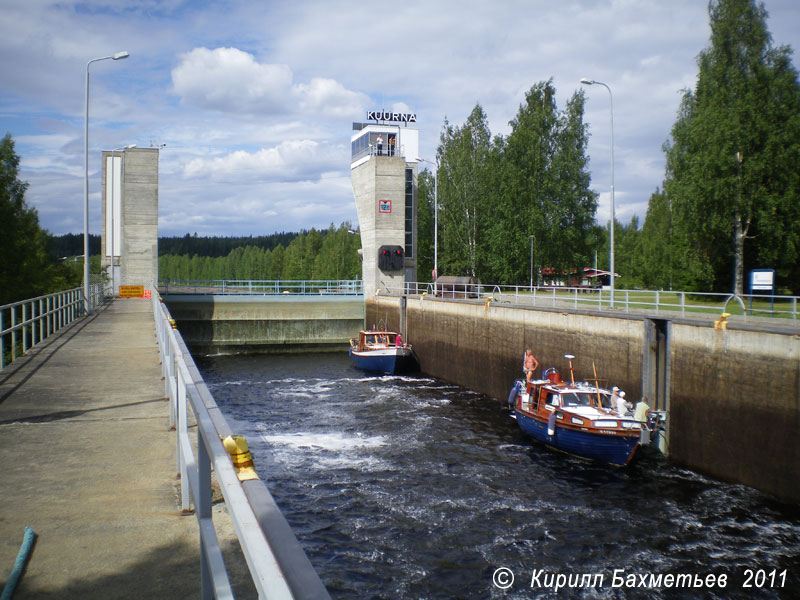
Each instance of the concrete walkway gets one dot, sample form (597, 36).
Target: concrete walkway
(88, 461)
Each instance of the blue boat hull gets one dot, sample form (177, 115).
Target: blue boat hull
(613, 449)
(388, 363)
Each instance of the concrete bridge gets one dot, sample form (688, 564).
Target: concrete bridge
(93, 463)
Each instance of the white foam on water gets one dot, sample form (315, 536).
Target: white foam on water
(332, 442)
(326, 451)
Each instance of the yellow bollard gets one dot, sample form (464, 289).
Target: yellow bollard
(236, 445)
(722, 323)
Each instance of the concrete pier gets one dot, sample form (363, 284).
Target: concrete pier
(88, 461)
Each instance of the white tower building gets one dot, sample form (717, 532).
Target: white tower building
(383, 170)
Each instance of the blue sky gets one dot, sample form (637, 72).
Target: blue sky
(255, 100)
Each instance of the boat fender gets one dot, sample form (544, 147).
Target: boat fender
(551, 424)
(512, 395)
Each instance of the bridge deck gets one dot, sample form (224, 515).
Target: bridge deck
(88, 461)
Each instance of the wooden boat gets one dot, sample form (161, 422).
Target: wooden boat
(575, 418)
(379, 352)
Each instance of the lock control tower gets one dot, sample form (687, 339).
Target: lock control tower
(383, 170)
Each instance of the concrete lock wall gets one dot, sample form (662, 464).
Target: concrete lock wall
(735, 406)
(268, 324)
(732, 396)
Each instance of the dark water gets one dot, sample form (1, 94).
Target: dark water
(409, 487)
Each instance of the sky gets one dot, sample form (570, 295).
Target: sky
(254, 100)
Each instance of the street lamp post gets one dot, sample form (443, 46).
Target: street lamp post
(532, 238)
(117, 56)
(111, 208)
(435, 222)
(586, 81)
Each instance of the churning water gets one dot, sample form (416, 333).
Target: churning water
(409, 487)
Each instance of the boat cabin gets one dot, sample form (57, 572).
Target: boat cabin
(581, 405)
(372, 340)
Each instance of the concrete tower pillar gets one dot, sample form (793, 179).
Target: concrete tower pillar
(383, 171)
(129, 247)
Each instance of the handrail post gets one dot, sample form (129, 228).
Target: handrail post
(183, 432)
(202, 505)
(2, 343)
(13, 333)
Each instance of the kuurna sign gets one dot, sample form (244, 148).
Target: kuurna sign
(382, 115)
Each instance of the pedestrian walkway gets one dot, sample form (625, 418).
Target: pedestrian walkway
(88, 461)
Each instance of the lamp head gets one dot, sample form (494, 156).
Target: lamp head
(120, 55)
(587, 81)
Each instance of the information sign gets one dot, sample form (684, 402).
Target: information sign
(131, 291)
(762, 280)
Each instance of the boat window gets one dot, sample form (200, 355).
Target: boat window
(553, 400)
(605, 399)
(576, 399)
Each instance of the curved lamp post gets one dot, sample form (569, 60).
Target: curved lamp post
(117, 56)
(586, 81)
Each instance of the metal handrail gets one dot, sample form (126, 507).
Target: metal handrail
(278, 565)
(27, 323)
(664, 303)
(341, 287)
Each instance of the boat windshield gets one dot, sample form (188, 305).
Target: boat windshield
(578, 399)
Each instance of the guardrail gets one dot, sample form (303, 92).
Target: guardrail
(263, 287)
(278, 565)
(26, 323)
(749, 307)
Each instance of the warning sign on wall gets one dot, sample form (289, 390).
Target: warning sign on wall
(385, 206)
(131, 291)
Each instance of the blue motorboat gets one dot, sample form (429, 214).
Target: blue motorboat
(575, 418)
(381, 352)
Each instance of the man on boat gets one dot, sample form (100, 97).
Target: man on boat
(622, 406)
(398, 341)
(531, 364)
(642, 410)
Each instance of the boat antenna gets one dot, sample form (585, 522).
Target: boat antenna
(597, 385)
(569, 357)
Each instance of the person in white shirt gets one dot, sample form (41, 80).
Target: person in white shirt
(622, 406)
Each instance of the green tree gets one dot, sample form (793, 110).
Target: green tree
(627, 241)
(425, 222)
(338, 256)
(463, 155)
(540, 172)
(656, 247)
(26, 268)
(732, 173)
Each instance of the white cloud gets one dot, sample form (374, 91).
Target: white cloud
(232, 81)
(229, 80)
(291, 160)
